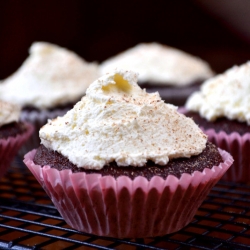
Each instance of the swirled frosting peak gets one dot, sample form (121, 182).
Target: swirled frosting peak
(118, 121)
(49, 77)
(225, 95)
(9, 113)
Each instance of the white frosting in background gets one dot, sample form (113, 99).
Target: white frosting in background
(159, 64)
(49, 77)
(118, 121)
(9, 113)
(225, 95)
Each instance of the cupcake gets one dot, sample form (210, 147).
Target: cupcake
(222, 110)
(13, 134)
(173, 73)
(49, 82)
(122, 163)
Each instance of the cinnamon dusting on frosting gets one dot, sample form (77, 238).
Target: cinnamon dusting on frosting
(118, 121)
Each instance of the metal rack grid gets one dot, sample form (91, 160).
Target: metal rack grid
(28, 220)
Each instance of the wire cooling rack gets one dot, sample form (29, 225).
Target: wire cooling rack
(28, 220)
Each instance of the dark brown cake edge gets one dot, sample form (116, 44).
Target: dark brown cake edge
(207, 159)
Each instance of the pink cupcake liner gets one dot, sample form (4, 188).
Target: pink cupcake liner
(238, 146)
(105, 206)
(37, 118)
(10, 146)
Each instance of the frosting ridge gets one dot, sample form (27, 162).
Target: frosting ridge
(225, 95)
(119, 121)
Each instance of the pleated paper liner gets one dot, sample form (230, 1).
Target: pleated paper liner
(238, 146)
(105, 206)
(10, 146)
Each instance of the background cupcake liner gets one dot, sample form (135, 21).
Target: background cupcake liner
(238, 146)
(10, 146)
(122, 207)
(37, 118)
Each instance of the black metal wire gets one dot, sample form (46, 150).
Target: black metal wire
(222, 221)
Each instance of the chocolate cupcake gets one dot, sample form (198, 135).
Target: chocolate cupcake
(13, 134)
(123, 163)
(173, 73)
(49, 82)
(222, 110)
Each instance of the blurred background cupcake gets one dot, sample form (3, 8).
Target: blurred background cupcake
(173, 73)
(13, 134)
(48, 83)
(219, 35)
(222, 110)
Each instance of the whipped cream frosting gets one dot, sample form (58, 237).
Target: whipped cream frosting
(118, 121)
(159, 64)
(9, 113)
(225, 95)
(50, 76)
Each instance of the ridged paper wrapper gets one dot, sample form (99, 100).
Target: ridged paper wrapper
(237, 145)
(105, 206)
(10, 146)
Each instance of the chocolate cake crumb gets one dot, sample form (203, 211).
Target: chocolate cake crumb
(207, 159)
(220, 124)
(12, 129)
